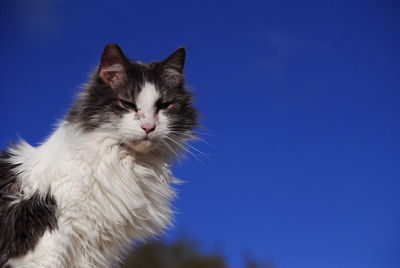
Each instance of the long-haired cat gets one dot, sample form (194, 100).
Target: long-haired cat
(102, 179)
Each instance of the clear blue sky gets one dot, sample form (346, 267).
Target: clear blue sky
(300, 100)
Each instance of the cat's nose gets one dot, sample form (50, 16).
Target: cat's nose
(148, 127)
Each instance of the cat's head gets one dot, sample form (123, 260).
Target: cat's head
(145, 106)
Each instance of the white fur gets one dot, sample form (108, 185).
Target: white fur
(107, 195)
(147, 98)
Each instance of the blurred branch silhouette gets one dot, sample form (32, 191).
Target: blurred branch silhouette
(183, 253)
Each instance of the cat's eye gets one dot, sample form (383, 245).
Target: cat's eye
(128, 105)
(163, 105)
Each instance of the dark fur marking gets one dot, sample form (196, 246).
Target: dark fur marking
(24, 221)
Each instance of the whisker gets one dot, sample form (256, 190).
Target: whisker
(192, 137)
(181, 146)
(192, 147)
(170, 148)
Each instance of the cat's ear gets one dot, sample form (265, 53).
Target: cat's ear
(173, 67)
(113, 65)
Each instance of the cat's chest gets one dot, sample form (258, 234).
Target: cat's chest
(110, 184)
(119, 192)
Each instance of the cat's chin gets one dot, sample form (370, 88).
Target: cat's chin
(142, 146)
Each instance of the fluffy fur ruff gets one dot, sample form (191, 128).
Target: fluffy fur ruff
(106, 197)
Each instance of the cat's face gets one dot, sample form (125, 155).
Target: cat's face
(145, 106)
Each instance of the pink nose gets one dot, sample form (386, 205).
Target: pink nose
(148, 127)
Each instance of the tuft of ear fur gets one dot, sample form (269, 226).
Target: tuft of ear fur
(173, 67)
(113, 65)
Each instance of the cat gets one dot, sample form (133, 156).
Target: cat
(103, 178)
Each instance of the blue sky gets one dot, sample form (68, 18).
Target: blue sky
(299, 103)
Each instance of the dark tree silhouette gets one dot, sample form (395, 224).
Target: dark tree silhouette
(182, 253)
